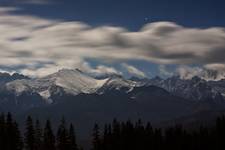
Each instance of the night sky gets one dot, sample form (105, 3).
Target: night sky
(182, 36)
(131, 14)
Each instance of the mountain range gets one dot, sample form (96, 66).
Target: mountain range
(85, 99)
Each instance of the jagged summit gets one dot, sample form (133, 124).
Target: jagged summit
(75, 82)
(6, 77)
(68, 80)
(192, 89)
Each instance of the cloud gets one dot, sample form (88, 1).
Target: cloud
(164, 72)
(33, 45)
(99, 70)
(35, 2)
(187, 72)
(134, 71)
(216, 67)
(208, 72)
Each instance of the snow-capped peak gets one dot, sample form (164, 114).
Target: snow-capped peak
(71, 81)
(75, 81)
(118, 83)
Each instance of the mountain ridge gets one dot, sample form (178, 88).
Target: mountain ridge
(85, 100)
(74, 82)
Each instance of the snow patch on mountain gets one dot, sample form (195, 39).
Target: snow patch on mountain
(17, 86)
(71, 81)
(46, 96)
(74, 82)
(192, 89)
(118, 83)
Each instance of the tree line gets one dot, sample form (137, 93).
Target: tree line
(35, 137)
(114, 136)
(138, 136)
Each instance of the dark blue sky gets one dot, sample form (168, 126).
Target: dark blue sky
(132, 13)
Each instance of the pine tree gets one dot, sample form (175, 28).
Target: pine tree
(12, 134)
(139, 133)
(96, 138)
(49, 138)
(2, 132)
(8, 131)
(18, 141)
(149, 136)
(63, 141)
(107, 137)
(29, 135)
(116, 131)
(72, 137)
(38, 136)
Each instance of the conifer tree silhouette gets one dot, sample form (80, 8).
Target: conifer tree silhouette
(72, 137)
(38, 136)
(29, 134)
(49, 138)
(63, 141)
(96, 138)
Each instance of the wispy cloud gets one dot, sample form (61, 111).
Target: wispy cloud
(164, 72)
(35, 2)
(134, 71)
(35, 44)
(208, 72)
(100, 70)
